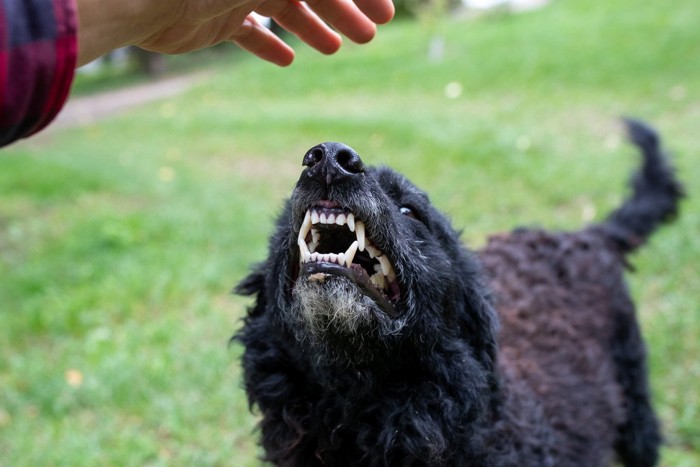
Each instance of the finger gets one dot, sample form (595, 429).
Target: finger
(298, 19)
(346, 17)
(261, 42)
(379, 11)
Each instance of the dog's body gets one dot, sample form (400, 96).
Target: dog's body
(399, 347)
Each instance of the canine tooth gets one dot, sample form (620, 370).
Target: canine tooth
(313, 246)
(350, 253)
(314, 217)
(330, 219)
(305, 226)
(340, 219)
(360, 232)
(303, 248)
(373, 252)
(315, 235)
(351, 222)
(323, 218)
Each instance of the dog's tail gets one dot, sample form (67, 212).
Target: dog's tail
(656, 193)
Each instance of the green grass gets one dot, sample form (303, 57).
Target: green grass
(110, 75)
(120, 241)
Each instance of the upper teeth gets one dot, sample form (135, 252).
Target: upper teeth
(385, 271)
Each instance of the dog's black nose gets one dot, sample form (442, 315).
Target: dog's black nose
(333, 163)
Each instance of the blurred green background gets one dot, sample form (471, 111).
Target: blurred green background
(121, 238)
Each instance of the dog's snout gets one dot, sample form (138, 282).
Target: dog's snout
(333, 162)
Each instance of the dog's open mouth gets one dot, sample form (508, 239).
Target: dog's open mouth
(332, 241)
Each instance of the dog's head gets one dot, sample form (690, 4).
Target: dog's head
(362, 266)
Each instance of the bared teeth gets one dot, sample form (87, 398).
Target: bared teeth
(350, 253)
(324, 258)
(305, 254)
(315, 240)
(378, 280)
(319, 216)
(372, 251)
(384, 274)
(387, 269)
(305, 227)
(360, 232)
(384, 264)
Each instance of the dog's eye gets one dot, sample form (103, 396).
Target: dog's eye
(406, 211)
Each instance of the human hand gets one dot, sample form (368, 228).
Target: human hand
(179, 26)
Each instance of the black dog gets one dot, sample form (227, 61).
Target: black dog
(378, 339)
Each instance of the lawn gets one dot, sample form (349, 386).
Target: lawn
(121, 240)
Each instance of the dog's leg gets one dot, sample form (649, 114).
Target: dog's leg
(639, 437)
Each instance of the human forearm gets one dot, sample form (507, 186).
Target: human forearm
(107, 25)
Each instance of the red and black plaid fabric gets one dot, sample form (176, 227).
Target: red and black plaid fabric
(38, 53)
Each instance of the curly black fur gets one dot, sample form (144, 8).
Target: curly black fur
(421, 373)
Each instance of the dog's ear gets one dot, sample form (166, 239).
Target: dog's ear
(253, 284)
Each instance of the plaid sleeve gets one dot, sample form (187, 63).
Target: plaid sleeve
(38, 54)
